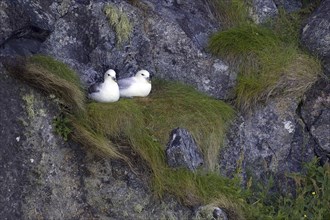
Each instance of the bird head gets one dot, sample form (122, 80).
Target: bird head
(143, 74)
(110, 74)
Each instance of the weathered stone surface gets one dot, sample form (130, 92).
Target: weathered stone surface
(182, 150)
(43, 177)
(169, 42)
(315, 111)
(13, 170)
(270, 141)
(289, 5)
(316, 34)
(263, 10)
(210, 212)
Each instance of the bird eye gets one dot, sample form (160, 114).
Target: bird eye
(108, 74)
(142, 74)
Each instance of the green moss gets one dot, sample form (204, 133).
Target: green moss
(120, 22)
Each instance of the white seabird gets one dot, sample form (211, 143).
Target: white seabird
(138, 85)
(108, 91)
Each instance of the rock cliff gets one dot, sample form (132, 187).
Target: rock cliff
(44, 177)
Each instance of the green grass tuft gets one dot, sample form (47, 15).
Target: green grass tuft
(149, 121)
(269, 63)
(51, 76)
(120, 22)
(242, 41)
(310, 201)
(175, 105)
(231, 13)
(144, 125)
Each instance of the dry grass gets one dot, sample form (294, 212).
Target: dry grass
(52, 77)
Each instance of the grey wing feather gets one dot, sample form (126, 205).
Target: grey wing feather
(94, 88)
(125, 83)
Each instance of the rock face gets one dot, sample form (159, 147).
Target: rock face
(270, 141)
(210, 212)
(263, 10)
(169, 42)
(315, 112)
(289, 5)
(316, 34)
(182, 150)
(43, 177)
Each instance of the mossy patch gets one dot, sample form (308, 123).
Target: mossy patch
(120, 22)
(29, 101)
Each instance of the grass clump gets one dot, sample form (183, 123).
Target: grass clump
(51, 76)
(242, 41)
(175, 105)
(144, 125)
(231, 13)
(120, 22)
(148, 122)
(268, 59)
(311, 199)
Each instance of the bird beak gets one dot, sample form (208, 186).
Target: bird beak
(148, 79)
(114, 79)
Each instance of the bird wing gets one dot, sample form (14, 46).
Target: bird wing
(94, 88)
(125, 83)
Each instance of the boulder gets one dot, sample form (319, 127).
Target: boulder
(182, 150)
(262, 10)
(210, 212)
(316, 34)
(271, 141)
(288, 5)
(315, 112)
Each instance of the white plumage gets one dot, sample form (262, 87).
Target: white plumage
(136, 86)
(108, 91)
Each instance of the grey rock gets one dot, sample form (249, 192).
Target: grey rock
(289, 5)
(210, 212)
(182, 150)
(13, 172)
(270, 141)
(315, 112)
(170, 42)
(219, 214)
(262, 10)
(316, 34)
